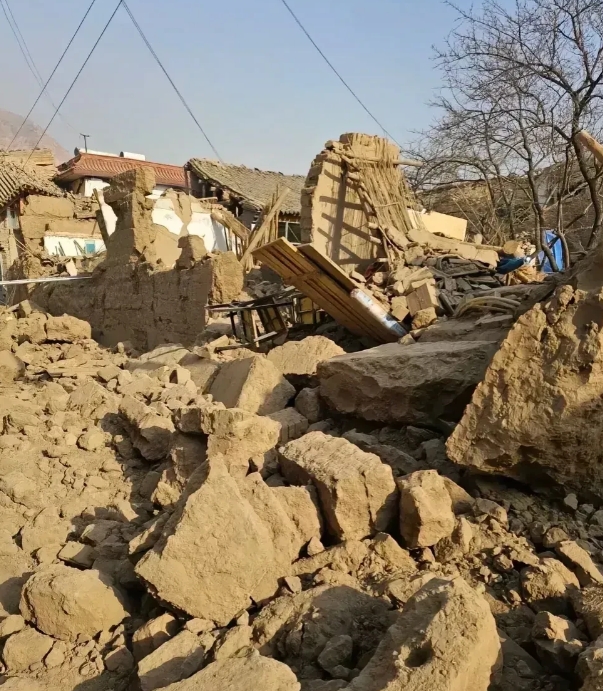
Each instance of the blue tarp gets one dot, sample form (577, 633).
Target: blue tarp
(554, 243)
(508, 264)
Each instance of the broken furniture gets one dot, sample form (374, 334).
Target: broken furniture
(275, 313)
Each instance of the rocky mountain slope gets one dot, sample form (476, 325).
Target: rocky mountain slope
(28, 137)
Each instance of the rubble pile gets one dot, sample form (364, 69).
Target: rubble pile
(190, 520)
(415, 264)
(424, 283)
(542, 391)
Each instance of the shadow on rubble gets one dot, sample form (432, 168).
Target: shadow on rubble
(295, 631)
(106, 682)
(131, 511)
(116, 562)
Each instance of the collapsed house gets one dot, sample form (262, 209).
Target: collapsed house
(140, 293)
(246, 192)
(36, 215)
(175, 210)
(367, 258)
(372, 259)
(356, 202)
(181, 513)
(218, 202)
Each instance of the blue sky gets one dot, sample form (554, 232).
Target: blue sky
(256, 84)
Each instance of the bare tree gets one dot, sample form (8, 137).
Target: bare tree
(519, 84)
(463, 147)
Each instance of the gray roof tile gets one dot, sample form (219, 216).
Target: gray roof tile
(16, 180)
(254, 185)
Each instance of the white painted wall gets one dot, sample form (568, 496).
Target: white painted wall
(109, 216)
(213, 233)
(52, 242)
(165, 215)
(91, 184)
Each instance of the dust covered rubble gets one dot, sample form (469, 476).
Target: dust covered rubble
(436, 279)
(536, 415)
(152, 537)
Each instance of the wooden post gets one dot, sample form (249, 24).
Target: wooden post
(590, 144)
(260, 235)
(100, 219)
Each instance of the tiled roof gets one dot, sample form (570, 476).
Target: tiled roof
(16, 181)
(256, 186)
(105, 167)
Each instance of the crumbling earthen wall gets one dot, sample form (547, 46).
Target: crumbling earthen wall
(354, 197)
(134, 235)
(137, 303)
(332, 216)
(134, 296)
(40, 216)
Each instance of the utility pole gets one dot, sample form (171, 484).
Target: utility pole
(85, 141)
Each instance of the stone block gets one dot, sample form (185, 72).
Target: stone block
(356, 490)
(253, 384)
(417, 383)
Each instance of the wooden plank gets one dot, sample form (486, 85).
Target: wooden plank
(330, 292)
(322, 280)
(231, 222)
(358, 321)
(365, 323)
(328, 266)
(314, 289)
(259, 236)
(350, 314)
(348, 304)
(281, 258)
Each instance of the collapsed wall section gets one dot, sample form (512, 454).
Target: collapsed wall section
(133, 302)
(46, 221)
(356, 198)
(133, 295)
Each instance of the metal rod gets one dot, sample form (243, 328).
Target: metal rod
(52, 279)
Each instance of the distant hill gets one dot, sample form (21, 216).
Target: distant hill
(28, 137)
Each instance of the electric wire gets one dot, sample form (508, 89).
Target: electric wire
(19, 38)
(23, 47)
(77, 76)
(171, 81)
(337, 73)
(44, 87)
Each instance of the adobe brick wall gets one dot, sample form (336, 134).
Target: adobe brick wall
(136, 302)
(132, 296)
(40, 215)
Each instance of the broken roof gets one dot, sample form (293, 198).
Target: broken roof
(86, 165)
(37, 157)
(16, 180)
(251, 184)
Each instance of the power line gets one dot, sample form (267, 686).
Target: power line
(333, 68)
(27, 52)
(19, 37)
(53, 73)
(77, 76)
(180, 96)
(23, 47)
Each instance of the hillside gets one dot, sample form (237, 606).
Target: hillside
(10, 123)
